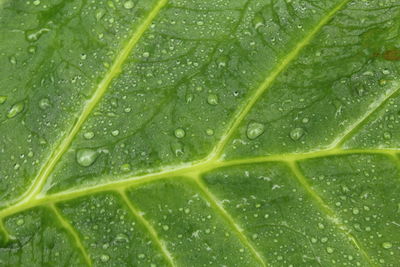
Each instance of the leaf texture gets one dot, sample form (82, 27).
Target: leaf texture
(199, 133)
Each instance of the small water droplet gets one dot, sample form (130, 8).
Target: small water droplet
(20, 222)
(254, 130)
(15, 110)
(165, 227)
(356, 211)
(115, 133)
(36, 2)
(179, 133)
(297, 133)
(329, 250)
(121, 238)
(212, 99)
(104, 258)
(13, 60)
(387, 135)
(210, 132)
(86, 157)
(32, 49)
(44, 103)
(128, 4)
(387, 245)
(88, 135)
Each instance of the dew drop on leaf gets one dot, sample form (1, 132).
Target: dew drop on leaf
(212, 99)
(3, 99)
(44, 103)
(86, 157)
(88, 135)
(179, 133)
(128, 5)
(104, 258)
(297, 133)
(15, 110)
(387, 245)
(254, 130)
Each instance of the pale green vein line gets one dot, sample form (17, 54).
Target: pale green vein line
(372, 109)
(101, 89)
(215, 204)
(67, 226)
(154, 236)
(183, 170)
(268, 82)
(4, 231)
(330, 213)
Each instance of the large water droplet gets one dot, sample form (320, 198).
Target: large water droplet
(212, 99)
(254, 130)
(15, 110)
(86, 157)
(179, 133)
(88, 135)
(387, 135)
(297, 133)
(387, 245)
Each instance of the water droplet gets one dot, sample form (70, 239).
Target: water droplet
(387, 135)
(297, 133)
(20, 222)
(356, 211)
(115, 133)
(44, 103)
(15, 110)
(13, 60)
(32, 49)
(212, 99)
(329, 250)
(36, 2)
(210, 132)
(165, 227)
(86, 157)
(146, 54)
(128, 4)
(88, 135)
(254, 130)
(3, 99)
(121, 238)
(104, 258)
(179, 133)
(387, 245)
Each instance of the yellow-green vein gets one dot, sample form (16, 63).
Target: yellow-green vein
(67, 226)
(272, 76)
(101, 89)
(326, 209)
(215, 204)
(149, 228)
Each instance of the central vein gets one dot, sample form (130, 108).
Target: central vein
(90, 104)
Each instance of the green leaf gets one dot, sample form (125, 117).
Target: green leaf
(195, 133)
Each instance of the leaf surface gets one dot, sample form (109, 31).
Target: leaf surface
(195, 133)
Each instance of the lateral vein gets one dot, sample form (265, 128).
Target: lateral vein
(68, 227)
(326, 209)
(99, 92)
(231, 222)
(270, 79)
(167, 255)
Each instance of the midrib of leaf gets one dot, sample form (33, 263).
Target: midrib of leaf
(326, 209)
(87, 109)
(67, 226)
(270, 79)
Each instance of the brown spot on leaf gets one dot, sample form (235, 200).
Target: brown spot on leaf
(392, 55)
